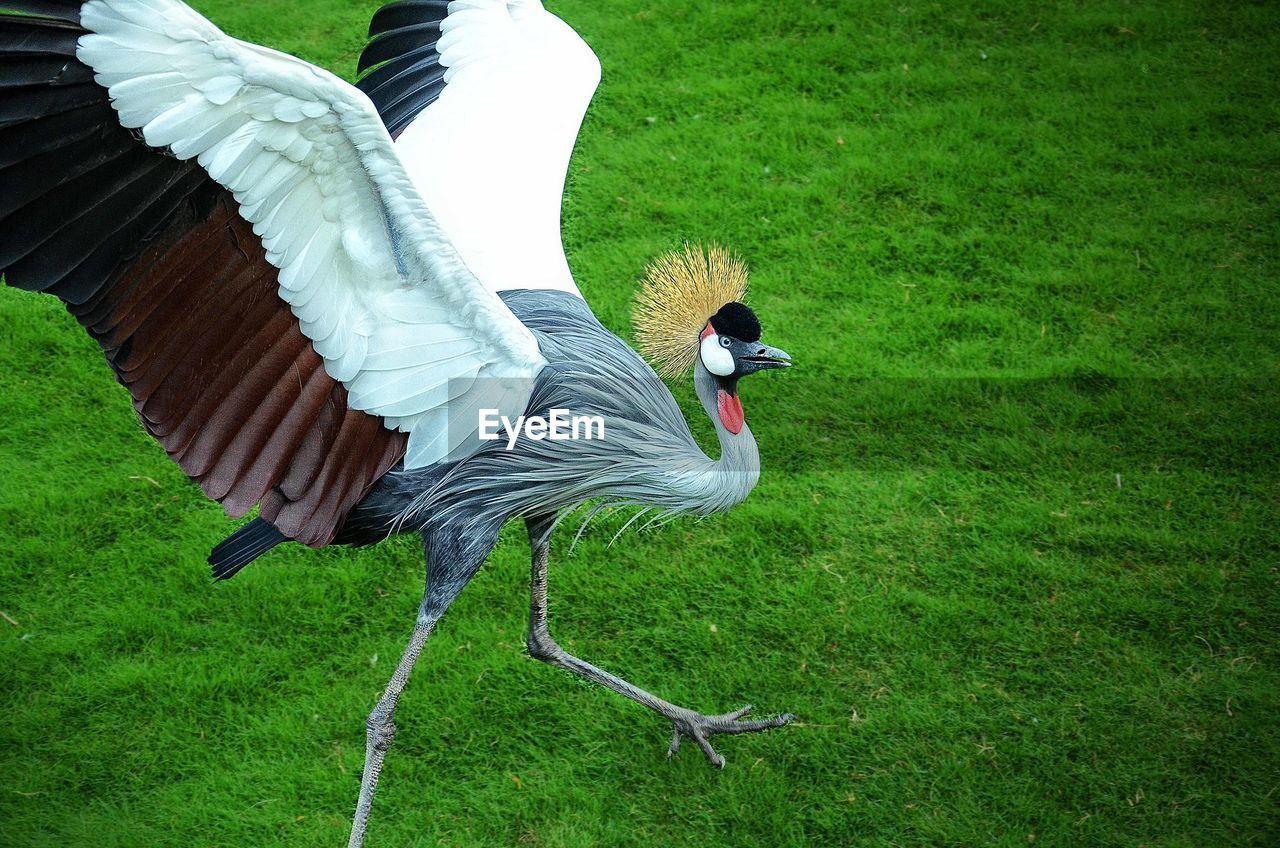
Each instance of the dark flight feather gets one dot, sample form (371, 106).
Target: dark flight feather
(56, 71)
(243, 547)
(405, 13)
(406, 75)
(67, 10)
(389, 44)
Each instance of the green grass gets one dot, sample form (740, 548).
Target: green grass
(1015, 253)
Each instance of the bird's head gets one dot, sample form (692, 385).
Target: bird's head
(689, 312)
(729, 345)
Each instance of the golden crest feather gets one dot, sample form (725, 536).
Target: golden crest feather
(680, 292)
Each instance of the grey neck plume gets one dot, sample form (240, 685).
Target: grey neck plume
(648, 457)
(731, 478)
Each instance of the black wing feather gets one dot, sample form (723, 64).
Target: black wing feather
(17, 141)
(402, 71)
(409, 103)
(20, 71)
(393, 43)
(27, 103)
(75, 186)
(24, 37)
(35, 187)
(79, 285)
(36, 242)
(243, 547)
(406, 13)
(131, 213)
(407, 76)
(67, 10)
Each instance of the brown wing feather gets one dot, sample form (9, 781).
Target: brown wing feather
(225, 380)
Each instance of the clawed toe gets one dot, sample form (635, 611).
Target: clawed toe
(699, 727)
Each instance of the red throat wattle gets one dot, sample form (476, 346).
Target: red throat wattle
(730, 409)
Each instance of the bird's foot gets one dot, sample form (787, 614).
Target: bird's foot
(700, 727)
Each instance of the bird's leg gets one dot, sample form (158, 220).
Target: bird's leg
(380, 730)
(685, 722)
(453, 557)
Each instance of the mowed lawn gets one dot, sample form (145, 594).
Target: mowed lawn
(1012, 560)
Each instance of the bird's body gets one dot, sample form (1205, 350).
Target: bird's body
(315, 297)
(647, 455)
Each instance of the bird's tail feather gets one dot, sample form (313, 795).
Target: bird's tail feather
(243, 547)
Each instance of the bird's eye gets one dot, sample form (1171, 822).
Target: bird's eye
(725, 341)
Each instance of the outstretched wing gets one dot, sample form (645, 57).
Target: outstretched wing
(486, 102)
(374, 282)
(151, 258)
(169, 272)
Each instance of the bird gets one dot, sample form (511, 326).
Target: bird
(317, 294)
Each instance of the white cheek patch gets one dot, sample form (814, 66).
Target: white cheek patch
(717, 360)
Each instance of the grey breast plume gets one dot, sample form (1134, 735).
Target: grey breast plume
(648, 456)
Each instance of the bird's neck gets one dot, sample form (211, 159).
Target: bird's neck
(735, 473)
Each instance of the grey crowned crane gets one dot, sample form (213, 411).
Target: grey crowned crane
(316, 293)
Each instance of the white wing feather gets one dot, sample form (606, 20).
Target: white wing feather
(490, 155)
(375, 283)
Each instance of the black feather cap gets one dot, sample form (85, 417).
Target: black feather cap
(737, 320)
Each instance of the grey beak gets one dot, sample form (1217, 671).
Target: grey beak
(767, 357)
